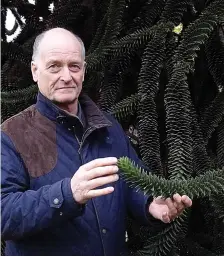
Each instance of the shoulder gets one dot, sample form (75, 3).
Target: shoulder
(116, 129)
(19, 120)
(112, 119)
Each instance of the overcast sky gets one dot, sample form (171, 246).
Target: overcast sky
(10, 20)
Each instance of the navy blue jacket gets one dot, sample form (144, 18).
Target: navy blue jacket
(42, 148)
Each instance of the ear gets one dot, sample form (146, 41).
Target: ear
(34, 71)
(84, 70)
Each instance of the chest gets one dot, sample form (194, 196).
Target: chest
(68, 153)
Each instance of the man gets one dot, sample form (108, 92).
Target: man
(61, 193)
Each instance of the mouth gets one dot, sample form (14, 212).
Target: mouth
(61, 88)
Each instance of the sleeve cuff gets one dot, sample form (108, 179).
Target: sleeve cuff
(139, 201)
(60, 197)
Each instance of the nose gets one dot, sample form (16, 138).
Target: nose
(66, 75)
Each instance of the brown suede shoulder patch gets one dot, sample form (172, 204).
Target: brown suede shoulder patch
(34, 137)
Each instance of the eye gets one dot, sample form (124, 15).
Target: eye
(74, 67)
(54, 67)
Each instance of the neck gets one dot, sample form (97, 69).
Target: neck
(71, 108)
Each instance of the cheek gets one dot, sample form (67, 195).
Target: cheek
(44, 76)
(54, 78)
(79, 78)
(51, 79)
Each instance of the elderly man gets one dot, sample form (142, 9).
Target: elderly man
(61, 193)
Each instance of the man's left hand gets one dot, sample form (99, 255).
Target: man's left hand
(168, 209)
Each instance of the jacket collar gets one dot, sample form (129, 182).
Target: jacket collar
(88, 112)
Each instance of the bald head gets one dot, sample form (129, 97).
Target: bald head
(58, 67)
(54, 35)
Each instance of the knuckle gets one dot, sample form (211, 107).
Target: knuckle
(181, 209)
(80, 176)
(84, 177)
(97, 162)
(108, 169)
(113, 177)
(84, 185)
(80, 170)
(174, 212)
(168, 201)
(180, 206)
(111, 168)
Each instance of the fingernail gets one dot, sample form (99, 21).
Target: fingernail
(111, 189)
(116, 169)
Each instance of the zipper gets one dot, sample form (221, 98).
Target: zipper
(80, 156)
(90, 129)
(82, 140)
(98, 221)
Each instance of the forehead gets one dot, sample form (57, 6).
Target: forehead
(61, 54)
(60, 46)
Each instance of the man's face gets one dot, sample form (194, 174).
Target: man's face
(59, 68)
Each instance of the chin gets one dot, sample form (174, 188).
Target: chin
(65, 98)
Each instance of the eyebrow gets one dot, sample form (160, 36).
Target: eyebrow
(52, 61)
(59, 61)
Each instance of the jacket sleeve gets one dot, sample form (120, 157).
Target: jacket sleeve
(27, 211)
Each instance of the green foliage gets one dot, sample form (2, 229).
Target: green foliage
(220, 144)
(124, 108)
(19, 95)
(214, 50)
(163, 242)
(158, 67)
(152, 63)
(213, 115)
(201, 186)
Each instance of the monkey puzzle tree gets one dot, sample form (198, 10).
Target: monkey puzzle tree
(158, 67)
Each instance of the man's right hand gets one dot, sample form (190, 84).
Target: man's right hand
(91, 175)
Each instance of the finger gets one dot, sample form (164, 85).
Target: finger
(177, 201)
(186, 201)
(100, 162)
(177, 198)
(159, 200)
(172, 209)
(165, 217)
(101, 171)
(99, 192)
(97, 182)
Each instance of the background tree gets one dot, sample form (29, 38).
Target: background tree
(158, 66)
